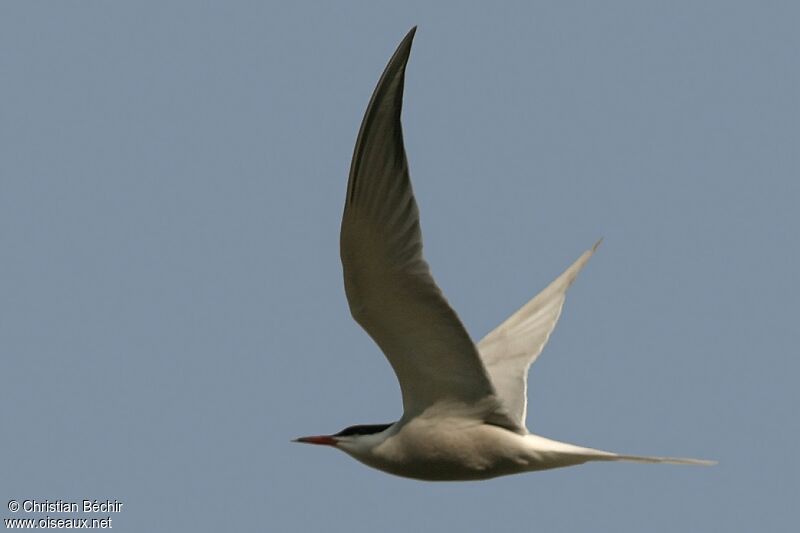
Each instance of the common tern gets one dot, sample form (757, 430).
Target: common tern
(464, 406)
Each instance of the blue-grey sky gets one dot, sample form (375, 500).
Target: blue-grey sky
(172, 176)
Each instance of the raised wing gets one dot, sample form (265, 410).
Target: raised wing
(511, 348)
(388, 284)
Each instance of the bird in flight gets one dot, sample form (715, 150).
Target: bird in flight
(464, 405)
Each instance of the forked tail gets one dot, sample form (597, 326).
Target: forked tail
(569, 454)
(650, 459)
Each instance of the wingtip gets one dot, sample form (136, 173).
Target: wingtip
(408, 39)
(401, 54)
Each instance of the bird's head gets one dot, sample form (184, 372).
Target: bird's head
(352, 439)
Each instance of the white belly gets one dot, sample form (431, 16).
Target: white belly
(459, 449)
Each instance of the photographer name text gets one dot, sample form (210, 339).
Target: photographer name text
(62, 506)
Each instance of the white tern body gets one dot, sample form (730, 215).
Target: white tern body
(464, 406)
